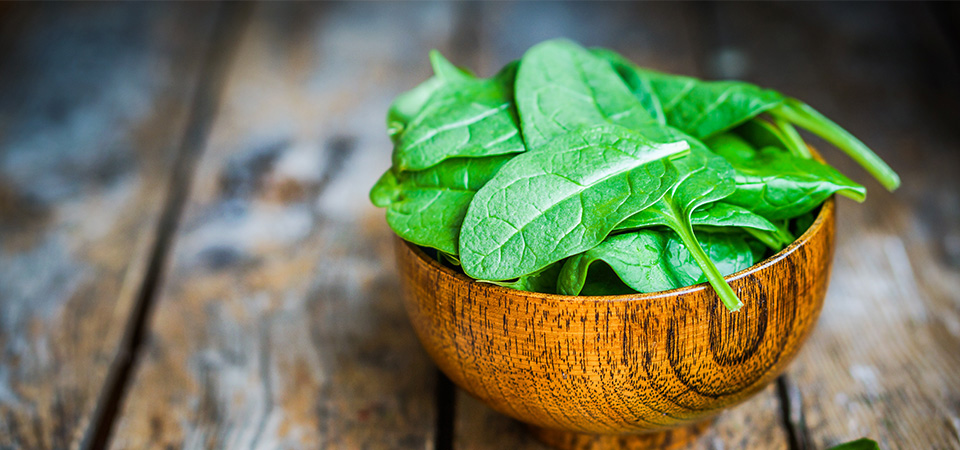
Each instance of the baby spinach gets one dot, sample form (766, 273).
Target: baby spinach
(698, 108)
(859, 444)
(544, 280)
(463, 116)
(778, 185)
(703, 178)
(717, 214)
(602, 280)
(760, 132)
(407, 105)
(576, 171)
(427, 207)
(652, 261)
(562, 86)
(799, 113)
(562, 199)
(775, 239)
(705, 108)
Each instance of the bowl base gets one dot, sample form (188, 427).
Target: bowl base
(660, 440)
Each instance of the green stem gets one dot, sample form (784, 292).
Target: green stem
(799, 113)
(793, 139)
(724, 291)
(783, 233)
(766, 238)
(449, 258)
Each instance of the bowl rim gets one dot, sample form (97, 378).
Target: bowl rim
(827, 210)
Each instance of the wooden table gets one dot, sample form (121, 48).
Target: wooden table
(188, 258)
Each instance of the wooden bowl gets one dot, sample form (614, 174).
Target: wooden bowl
(630, 371)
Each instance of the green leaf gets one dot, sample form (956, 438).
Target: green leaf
(653, 261)
(778, 185)
(427, 207)
(446, 71)
(859, 444)
(463, 117)
(802, 223)
(801, 114)
(717, 214)
(544, 280)
(698, 108)
(791, 139)
(602, 280)
(755, 133)
(545, 205)
(775, 239)
(562, 87)
(703, 178)
(407, 105)
(385, 190)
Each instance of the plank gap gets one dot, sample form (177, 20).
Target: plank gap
(224, 39)
(792, 414)
(446, 397)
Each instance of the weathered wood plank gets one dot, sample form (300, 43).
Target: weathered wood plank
(93, 103)
(884, 361)
(279, 324)
(656, 35)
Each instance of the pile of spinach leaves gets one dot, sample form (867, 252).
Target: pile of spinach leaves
(577, 172)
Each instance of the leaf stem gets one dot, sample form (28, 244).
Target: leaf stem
(768, 238)
(724, 291)
(792, 138)
(799, 113)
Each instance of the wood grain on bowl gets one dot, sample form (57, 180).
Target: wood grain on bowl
(624, 364)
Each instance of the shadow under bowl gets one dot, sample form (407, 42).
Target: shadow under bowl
(629, 371)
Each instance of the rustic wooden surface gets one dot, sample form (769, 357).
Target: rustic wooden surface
(885, 359)
(93, 102)
(278, 325)
(274, 318)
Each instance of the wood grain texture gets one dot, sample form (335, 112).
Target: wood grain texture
(657, 35)
(279, 323)
(884, 360)
(613, 365)
(754, 424)
(93, 103)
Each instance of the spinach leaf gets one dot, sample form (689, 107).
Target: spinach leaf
(385, 190)
(792, 139)
(698, 108)
(859, 444)
(463, 117)
(427, 207)
(544, 281)
(778, 185)
(407, 105)
(799, 113)
(602, 280)
(545, 205)
(800, 224)
(561, 87)
(652, 261)
(703, 109)
(758, 249)
(703, 178)
(717, 214)
(775, 239)
(776, 133)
